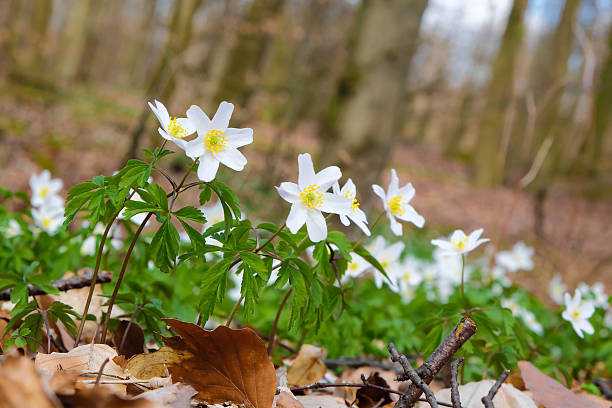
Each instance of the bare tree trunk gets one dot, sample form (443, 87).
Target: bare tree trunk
(499, 94)
(75, 35)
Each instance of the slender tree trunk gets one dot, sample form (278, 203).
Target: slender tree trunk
(487, 170)
(75, 35)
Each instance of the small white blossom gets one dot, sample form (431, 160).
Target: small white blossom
(520, 258)
(173, 129)
(49, 219)
(356, 215)
(216, 142)
(45, 190)
(498, 273)
(459, 243)
(12, 229)
(556, 289)
(530, 321)
(395, 201)
(578, 312)
(389, 258)
(596, 294)
(309, 198)
(355, 267)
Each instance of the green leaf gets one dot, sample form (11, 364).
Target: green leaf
(365, 254)
(164, 246)
(191, 213)
(81, 188)
(227, 195)
(213, 287)
(337, 238)
(159, 195)
(257, 264)
(136, 207)
(98, 180)
(205, 194)
(198, 242)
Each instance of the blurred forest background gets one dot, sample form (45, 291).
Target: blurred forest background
(498, 111)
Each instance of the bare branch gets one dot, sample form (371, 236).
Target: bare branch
(487, 400)
(413, 376)
(455, 396)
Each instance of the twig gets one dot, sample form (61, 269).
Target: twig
(455, 396)
(106, 360)
(75, 282)
(487, 400)
(441, 356)
(413, 376)
(332, 261)
(358, 362)
(604, 387)
(234, 310)
(272, 342)
(366, 384)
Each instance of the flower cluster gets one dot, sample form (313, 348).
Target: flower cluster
(47, 205)
(581, 306)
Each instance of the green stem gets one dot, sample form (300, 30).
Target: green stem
(380, 216)
(126, 258)
(465, 304)
(272, 340)
(271, 238)
(234, 310)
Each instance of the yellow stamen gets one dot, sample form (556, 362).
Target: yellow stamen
(175, 129)
(44, 191)
(46, 222)
(311, 197)
(575, 314)
(460, 244)
(354, 202)
(396, 205)
(215, 141)
(407, 277)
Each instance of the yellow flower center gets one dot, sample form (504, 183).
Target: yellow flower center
(46, 222)
(384, 264)
(354, 202)
(353, 266)
(215, 141)
(575, 314)
(396, 205)
(175, 129)
(44, 191)
(311, 197)
(407, 277)
(460, 244)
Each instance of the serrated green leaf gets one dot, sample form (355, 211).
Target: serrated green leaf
(191, 213)
(159, 195)
(213, 287)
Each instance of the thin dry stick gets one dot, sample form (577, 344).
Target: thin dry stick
(455, 396)
(106, 360)
(272, 342)
(121, 274)
(234, 310)
(487, 400)
(413, 376)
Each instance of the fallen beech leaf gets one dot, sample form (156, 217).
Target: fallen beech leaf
(286, 399)
(172, 396)
(371, 397)
(320, 401)
(227, 364)
(354, 376)
(550, 393)
(21, 385)
(63, 382)
(146, 366)
(83, 359)
(308, 367)
(471, 394)
(134, 339)
(100, 397)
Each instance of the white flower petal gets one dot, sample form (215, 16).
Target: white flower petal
(335, 204)
(345, 220)
(393, 189)
(412, 216)
(379, 191)
(239, 137)
(474, 235)
(187, 125)
(443, 244)
(306, 174)
(316, 226)
(160, 111)
(199, 119)
(207, 170)
(289, 192)
(407, 192)
(222, 116)
(232, 158)
(195, 148)
(327, 177)
(396, 227)
(297, 217)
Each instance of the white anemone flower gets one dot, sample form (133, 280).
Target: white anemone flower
(389, 258)
(395, 202)
(556, 289)
(531, 322)
(520, 258)
(356, 215)
(459, 243)
(12, 229)
(596, 294)
(90, 246)
(173, 129)
(578, 312)
(45, 190)
(410, 272)
(309, 198)
(216, 142)
(48, 218)
(213, 214)
(356, 267)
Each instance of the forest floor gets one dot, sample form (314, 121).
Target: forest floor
(84, 134)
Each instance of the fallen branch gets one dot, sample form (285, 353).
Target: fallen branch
(455, 396)
(359, 362)
(487, 400)
(441, 356)
(604, 387)
(75, 282)
(413, 376)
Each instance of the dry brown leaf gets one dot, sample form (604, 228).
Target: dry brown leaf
(320, 401)
(286, 399)
(21, 385)
(63, 382)
(227, 364)
(308, 367)
(100, 397)
(354, 376)
(134, 339)
(146, 366)
(471, 394)
(171, 396)
(368, 397)
(550, 393)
